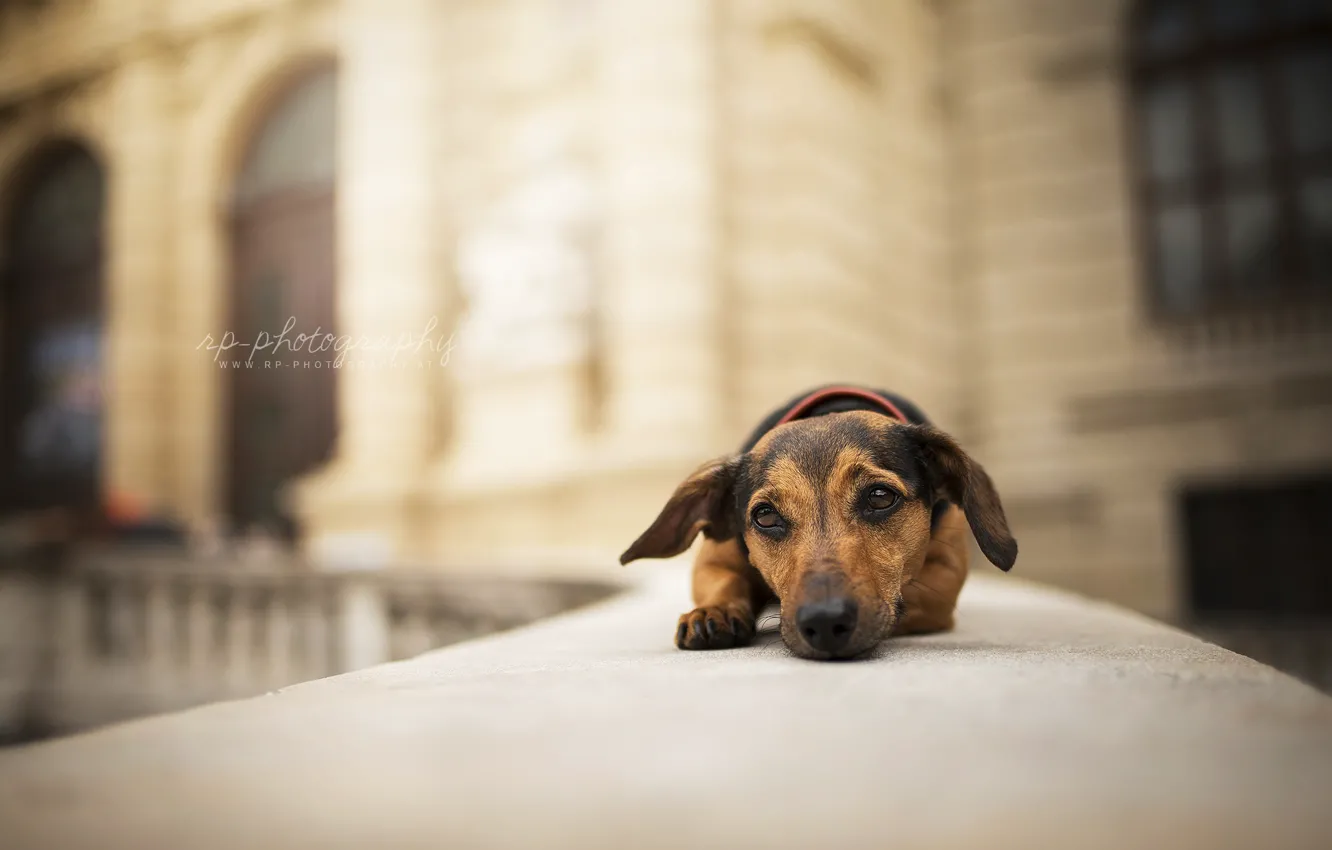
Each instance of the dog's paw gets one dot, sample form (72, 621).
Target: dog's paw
(714, 627)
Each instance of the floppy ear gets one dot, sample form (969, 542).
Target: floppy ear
(966, 483)
(701, 503)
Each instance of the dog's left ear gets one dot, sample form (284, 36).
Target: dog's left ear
(701, 503)
(967, 484)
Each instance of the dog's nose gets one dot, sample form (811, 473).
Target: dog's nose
(827, 624)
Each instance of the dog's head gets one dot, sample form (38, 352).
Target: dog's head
(835, 513)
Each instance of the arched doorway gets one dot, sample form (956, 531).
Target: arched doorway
(283, 401)
(51, 333)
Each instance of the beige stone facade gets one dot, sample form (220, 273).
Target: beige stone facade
(644, 223)
(1092, 413)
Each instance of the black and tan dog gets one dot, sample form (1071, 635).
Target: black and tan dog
(848, 508)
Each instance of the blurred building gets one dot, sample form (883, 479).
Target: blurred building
(582, 245)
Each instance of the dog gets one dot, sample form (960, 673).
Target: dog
(845, 506)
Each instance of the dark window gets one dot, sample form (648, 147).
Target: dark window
(1260, 552)
(1232, 103)
(51, 333)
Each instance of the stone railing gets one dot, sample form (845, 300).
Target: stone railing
(102, 636)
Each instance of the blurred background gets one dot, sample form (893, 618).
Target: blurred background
(334, 330)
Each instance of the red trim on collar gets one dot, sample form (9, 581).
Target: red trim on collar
(806, 404)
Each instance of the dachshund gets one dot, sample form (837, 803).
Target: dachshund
(845, 506)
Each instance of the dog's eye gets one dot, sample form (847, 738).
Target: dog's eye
(765, 517)
(879, 499)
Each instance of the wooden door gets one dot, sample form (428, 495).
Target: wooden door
(283, 408)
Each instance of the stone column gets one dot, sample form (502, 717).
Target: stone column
(364, 621)
(526, 263)
(390, 281)
(660, 258)
(139, 302)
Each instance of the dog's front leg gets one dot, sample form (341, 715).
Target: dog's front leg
(729, 592)
(931, 595)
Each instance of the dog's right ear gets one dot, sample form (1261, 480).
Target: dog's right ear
(966, 483)
(703, 502)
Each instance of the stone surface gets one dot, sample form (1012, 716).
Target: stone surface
(1043, 721)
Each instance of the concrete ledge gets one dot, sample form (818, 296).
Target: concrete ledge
(1044, 720)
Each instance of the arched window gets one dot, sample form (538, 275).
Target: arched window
(51, 339)
(1233, 120)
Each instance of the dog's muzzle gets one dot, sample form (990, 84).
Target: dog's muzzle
(826, 613)
(827, 625)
